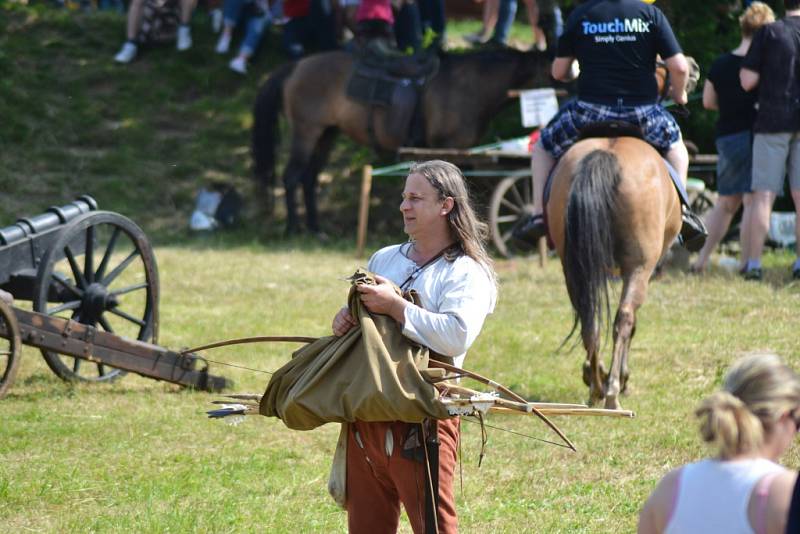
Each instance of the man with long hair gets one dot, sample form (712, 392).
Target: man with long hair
(446, 263)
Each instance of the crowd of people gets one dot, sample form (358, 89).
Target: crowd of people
(314, 25)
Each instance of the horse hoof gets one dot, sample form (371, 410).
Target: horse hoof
(612, 404)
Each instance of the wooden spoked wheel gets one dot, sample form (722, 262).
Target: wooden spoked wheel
(512, 199)
(101, 271)
(10, 347)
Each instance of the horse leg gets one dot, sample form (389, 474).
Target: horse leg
(634, 291)
(315, 165)
(303, 145)
(593, 367)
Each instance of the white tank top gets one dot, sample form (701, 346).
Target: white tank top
(713, 496)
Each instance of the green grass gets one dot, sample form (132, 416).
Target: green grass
(140, 456)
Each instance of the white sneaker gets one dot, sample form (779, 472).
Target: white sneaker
(224, 43)
(238, 64)
(216, 20)
(184, 38)
(126, 53)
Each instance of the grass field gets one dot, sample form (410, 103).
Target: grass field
(140, 456)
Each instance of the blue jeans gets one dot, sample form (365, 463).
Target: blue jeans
(506, 14)
(256, 22)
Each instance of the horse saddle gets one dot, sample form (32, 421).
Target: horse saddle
(392, 82)
(625, 129)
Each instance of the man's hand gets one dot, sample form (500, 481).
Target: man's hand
(343, 322)
(6, 297)
(382, 298)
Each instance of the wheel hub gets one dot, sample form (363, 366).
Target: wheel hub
(96, 300)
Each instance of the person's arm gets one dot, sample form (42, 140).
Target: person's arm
(710, 96)
(750, 73)
(749, 79)
(467, 297)
(779, 502)
(658, 508)
(678, 69)
(562, 69)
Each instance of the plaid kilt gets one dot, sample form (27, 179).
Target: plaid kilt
(657, 124)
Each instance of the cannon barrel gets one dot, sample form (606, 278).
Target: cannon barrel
(51, 218)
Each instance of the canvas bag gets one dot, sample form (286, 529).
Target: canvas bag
(370, 374)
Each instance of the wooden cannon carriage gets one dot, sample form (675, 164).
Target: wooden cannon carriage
(92, 279)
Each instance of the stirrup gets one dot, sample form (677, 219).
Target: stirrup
(529, 230)
(693, 232)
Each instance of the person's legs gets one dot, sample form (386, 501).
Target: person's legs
(373, 506)
(678, 157)
(184, 38)
(488, 21)
(717, 222)
(758, 219)
(542, 163)
(134, 18)
(410, 477)
(506, 13)
(408, 28)
(794, 186)
(293, 32)
(129, 48)
(187, 8)
(231, 11)
(255, 30)
(770, 154)
(539, 38)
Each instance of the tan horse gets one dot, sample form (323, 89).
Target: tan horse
(612, 205)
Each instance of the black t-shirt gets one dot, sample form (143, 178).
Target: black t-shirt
(775, 56)
(737, 108)
(616, 43)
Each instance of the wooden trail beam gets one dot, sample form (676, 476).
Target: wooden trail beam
(72, 338)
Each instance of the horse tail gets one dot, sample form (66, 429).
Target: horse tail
(265, 134)
(589, 240)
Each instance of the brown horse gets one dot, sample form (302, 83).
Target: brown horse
(455, 107)
(612, 205)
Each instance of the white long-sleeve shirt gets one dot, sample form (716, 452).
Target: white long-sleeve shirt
(456, 297)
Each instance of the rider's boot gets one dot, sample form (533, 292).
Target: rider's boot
(693, 231)
(528, 230)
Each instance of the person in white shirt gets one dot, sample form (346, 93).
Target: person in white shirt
(753, 419)
(446, 262)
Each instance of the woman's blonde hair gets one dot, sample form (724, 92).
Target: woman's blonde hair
(466, 228)
(757, 390)
(756, 15)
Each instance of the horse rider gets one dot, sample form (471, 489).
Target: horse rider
(616, 43)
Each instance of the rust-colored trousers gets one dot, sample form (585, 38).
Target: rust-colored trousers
(379, 478)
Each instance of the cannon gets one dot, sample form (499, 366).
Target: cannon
(92, 279)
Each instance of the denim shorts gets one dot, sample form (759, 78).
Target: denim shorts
(735, 163)
(657, 124)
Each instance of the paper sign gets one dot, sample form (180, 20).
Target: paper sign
(537, 106)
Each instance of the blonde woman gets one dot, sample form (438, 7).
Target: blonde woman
(752, 420)
(734, 137)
